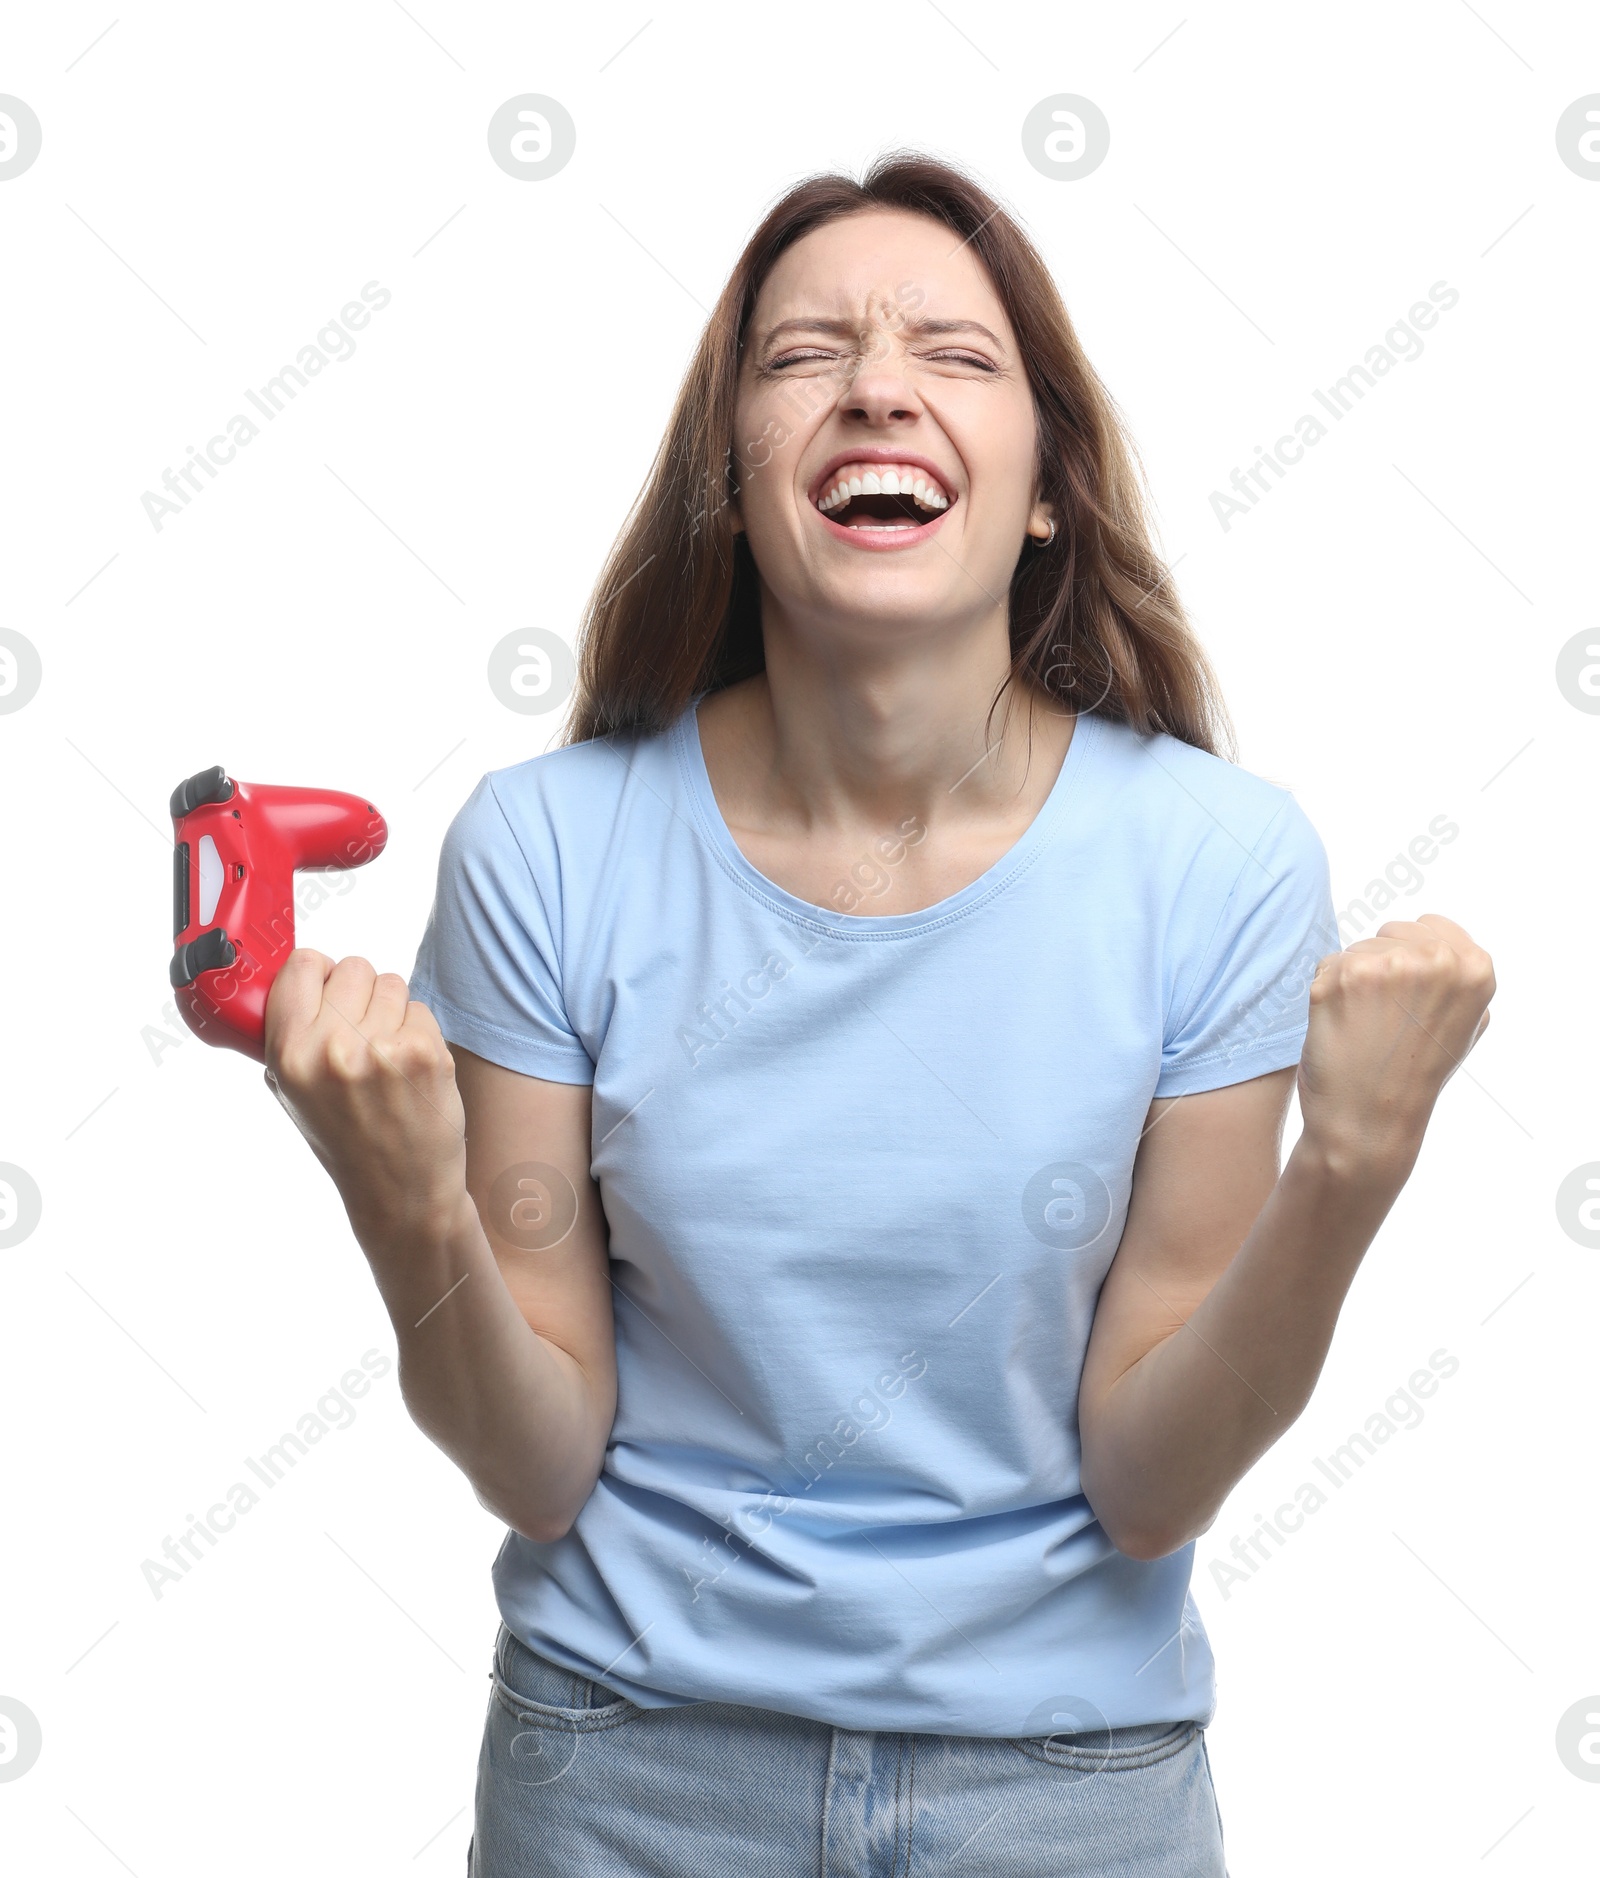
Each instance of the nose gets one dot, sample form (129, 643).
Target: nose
(879, 392)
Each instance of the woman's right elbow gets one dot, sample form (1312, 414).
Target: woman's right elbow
(540, 1528)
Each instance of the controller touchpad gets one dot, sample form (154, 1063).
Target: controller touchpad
(211, 872)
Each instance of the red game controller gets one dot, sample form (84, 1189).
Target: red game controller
(237, 847)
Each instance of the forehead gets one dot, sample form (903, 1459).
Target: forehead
(858, 265)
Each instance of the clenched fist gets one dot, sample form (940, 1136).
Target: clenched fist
(367, 1077)
(1392, 1018)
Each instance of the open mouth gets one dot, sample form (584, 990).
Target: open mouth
(882, 497)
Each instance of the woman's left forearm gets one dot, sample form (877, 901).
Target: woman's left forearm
(1181, 1426)
(1390, 1020)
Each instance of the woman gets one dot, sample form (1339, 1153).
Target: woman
(824, 1173)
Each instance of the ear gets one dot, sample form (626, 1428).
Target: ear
(1040, 521)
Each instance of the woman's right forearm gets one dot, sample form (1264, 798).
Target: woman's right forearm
(366, 1075)
(517, 1415)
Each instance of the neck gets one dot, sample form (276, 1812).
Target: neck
(869, 740)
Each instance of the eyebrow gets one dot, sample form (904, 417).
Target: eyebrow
(848, 329)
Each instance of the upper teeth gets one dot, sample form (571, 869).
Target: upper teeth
(883, 479)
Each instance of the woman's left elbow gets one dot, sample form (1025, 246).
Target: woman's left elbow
(1143, 1546)
(1148, 1543)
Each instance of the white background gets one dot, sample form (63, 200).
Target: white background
(214, 184)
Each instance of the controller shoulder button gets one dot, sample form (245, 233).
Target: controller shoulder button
(207, 785)
(205, 954)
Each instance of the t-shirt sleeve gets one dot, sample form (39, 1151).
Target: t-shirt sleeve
(1243, 996)
(489, 966)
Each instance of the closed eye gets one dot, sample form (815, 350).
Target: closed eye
(796, 358)
(964, 358)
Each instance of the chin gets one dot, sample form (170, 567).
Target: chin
(899, 600)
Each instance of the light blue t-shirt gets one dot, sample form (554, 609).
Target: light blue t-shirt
(864, 1176)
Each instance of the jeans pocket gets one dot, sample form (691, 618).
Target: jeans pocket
(1112, 1750)
(1216, 1804)
(534, 1689)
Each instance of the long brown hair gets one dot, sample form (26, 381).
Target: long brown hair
(1094, 618)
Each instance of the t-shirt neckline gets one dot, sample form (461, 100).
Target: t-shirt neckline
(993, 881)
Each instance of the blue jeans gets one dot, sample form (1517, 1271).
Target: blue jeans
(575, 1780)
